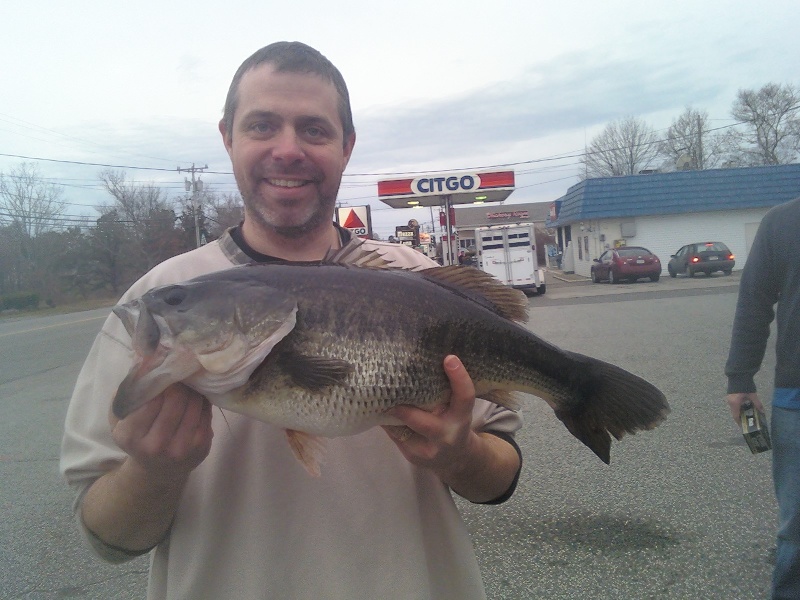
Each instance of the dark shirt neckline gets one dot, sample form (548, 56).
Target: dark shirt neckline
(236, 235)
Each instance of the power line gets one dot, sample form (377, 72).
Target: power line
(85, 164)
(571, 154)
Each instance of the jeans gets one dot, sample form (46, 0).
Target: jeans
(786, 477)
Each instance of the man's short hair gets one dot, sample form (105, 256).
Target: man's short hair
(292, 57)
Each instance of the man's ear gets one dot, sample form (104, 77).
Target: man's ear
(226, 138)
(348, 148)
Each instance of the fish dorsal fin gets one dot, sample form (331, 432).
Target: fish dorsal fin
(355, 255)
(483, 288)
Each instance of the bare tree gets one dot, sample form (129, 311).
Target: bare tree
(625, 147)
(144, 209)
(688, 143)
(223, 212)
(770, 134)
(29, 207)
(109, 241)
(26, 199)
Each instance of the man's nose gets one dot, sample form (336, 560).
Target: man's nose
(287, 146)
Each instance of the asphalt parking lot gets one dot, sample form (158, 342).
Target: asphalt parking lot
(570, 287)
(683, 511)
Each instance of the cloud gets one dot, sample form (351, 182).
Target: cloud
(569, 93)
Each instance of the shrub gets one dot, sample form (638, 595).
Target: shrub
(20, 301)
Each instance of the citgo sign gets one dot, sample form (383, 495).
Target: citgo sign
(452, 183)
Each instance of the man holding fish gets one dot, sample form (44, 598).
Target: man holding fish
(221, 502)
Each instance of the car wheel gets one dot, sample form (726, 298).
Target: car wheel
(612, 279)
(595, 277)
(690, 271)
(655, 277)
(671, 271)
(541, 289)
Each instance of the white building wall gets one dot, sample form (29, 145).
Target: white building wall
(665, 234)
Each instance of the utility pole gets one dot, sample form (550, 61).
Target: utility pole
(194, 187)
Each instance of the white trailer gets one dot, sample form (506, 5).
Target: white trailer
(509, 253)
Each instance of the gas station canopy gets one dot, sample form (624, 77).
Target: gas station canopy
(439, 189)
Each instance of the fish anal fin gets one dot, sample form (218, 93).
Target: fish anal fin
(505, 398)
(315, 372)
(483, 287)
(308, 449)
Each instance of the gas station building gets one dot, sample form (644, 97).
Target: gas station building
(446, 191)
(465, 201)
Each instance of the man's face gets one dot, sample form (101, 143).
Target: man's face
(287, 149)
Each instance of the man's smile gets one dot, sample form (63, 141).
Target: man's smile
(288, 183)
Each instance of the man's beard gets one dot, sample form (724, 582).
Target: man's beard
(322, 213)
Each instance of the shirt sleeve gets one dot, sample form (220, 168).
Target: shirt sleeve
(502, 422)
(759, 290)
(87, 449)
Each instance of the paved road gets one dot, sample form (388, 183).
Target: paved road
(41, 555)
(684, 511)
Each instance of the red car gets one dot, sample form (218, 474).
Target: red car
(626, 262)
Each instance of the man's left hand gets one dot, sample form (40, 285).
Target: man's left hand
(478, 466)
(441, 441)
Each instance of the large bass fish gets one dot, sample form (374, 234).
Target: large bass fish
(326, 349)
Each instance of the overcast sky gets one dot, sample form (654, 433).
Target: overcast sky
(434, 85)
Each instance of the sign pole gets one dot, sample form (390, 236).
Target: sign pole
(449, 227)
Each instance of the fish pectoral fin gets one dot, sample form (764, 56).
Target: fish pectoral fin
(315, 372)
(308, 449)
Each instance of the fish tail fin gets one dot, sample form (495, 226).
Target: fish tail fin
(613, 402)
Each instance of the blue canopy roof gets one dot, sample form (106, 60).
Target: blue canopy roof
(678, 192)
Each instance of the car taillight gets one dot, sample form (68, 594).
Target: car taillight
(695, 259)
(730, 257)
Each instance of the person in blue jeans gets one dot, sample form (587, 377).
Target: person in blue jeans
(770, 289)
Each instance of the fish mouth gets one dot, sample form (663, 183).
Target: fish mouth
(128, 313)
(140, 325)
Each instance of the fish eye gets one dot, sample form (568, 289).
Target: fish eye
(174, 296)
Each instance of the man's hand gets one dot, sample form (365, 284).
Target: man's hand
(170, 435)
(132, 506)
(735, 402)
(478, 466)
